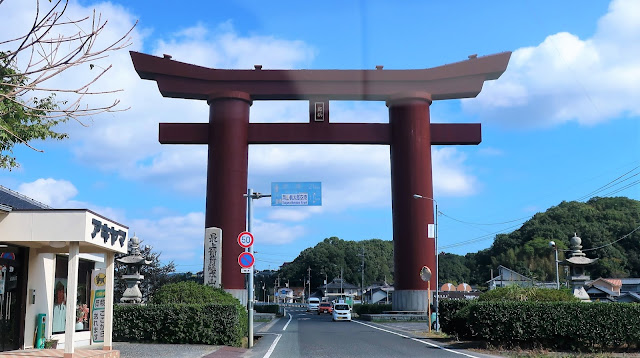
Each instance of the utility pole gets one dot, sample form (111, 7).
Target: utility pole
(341, 281)
(362, 280)
(309, 270)
(277, 288)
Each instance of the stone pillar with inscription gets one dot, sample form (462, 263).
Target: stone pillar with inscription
(213, 256)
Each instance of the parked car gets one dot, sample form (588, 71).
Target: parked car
(325, 307)
(341, 312)
(313, 304)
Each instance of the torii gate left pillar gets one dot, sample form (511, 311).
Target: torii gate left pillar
(408, 94)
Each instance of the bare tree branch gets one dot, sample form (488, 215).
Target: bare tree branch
(44, 58)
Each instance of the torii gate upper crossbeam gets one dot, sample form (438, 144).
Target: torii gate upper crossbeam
(457, 80)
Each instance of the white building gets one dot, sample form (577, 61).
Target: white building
(47, 257)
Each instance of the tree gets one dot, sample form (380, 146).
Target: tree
(155, 274)
(451, 268)
(29, 108)
(333, 254)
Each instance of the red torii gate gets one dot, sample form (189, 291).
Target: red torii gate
(408, 94)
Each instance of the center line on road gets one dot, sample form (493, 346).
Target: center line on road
(285, 326)
(417, 340)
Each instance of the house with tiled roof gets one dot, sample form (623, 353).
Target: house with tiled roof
(602, 294)
(611, 284)
(630, 285)
(629, 297)
(614, 289)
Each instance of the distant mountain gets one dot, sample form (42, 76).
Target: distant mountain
(603, 224)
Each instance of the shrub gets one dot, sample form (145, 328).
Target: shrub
(267, 308)
(517, 293)
(190, 292)
(450, 322)
(371, 308)
(557, 325)
(183, 312)
(224, 324)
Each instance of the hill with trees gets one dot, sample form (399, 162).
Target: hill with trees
(608, 227)
(332, 255)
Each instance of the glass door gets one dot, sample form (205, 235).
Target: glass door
(12, 297)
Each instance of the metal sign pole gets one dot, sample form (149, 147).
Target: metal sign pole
(429, 304)
(250, 280)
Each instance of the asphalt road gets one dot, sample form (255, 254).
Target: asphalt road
(302, 334)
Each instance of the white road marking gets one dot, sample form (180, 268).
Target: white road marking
(417, 340)
(273, 346)
(289, 321)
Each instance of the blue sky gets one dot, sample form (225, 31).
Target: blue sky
(559, 124)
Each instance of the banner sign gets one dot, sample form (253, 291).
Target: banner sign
(98, 284)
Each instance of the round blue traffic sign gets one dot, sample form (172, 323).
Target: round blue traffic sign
(246, 259)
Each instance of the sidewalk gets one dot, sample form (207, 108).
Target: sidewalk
(152, 350)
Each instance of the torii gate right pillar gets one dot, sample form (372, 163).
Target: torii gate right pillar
(411, 174)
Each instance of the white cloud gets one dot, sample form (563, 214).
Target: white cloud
(297, 214)
(450, 177)
(274, 233)
(60, 194)
(54, 193)
(566, 78)
(178, 237)
(222, 47)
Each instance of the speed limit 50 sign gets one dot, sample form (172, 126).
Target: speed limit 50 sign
(245, 239)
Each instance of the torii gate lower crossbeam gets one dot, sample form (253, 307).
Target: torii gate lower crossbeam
(409, 134)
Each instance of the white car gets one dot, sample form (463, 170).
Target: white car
(313, 304)
(341, 312)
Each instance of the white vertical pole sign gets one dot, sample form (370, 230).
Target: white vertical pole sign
(213, 256)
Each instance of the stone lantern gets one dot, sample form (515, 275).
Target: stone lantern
(577, 262)
(133, 277)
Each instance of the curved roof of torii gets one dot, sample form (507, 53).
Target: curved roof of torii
(456, 80)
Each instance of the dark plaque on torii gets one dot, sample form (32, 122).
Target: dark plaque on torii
(408, 94)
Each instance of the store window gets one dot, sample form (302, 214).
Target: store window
(60, 295)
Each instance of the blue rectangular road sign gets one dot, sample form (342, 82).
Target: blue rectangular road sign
(296, 194)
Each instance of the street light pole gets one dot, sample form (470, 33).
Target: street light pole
(417, 196)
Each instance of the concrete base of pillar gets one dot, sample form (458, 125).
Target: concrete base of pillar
(410, 300)
(240, 294)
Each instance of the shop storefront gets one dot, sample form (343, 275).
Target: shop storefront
(52, 262)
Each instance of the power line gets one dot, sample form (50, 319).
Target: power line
(470, 223)
(478, 239)
(613, 242)
(623, 188)
(609, 184)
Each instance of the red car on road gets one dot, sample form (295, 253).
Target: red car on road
(325, 307)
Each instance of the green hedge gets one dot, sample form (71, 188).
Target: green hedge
(517, 293)
(266, 308)
(451, 323)
(216, 324)
(371, 308)
(191, 293)
(572, 326)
